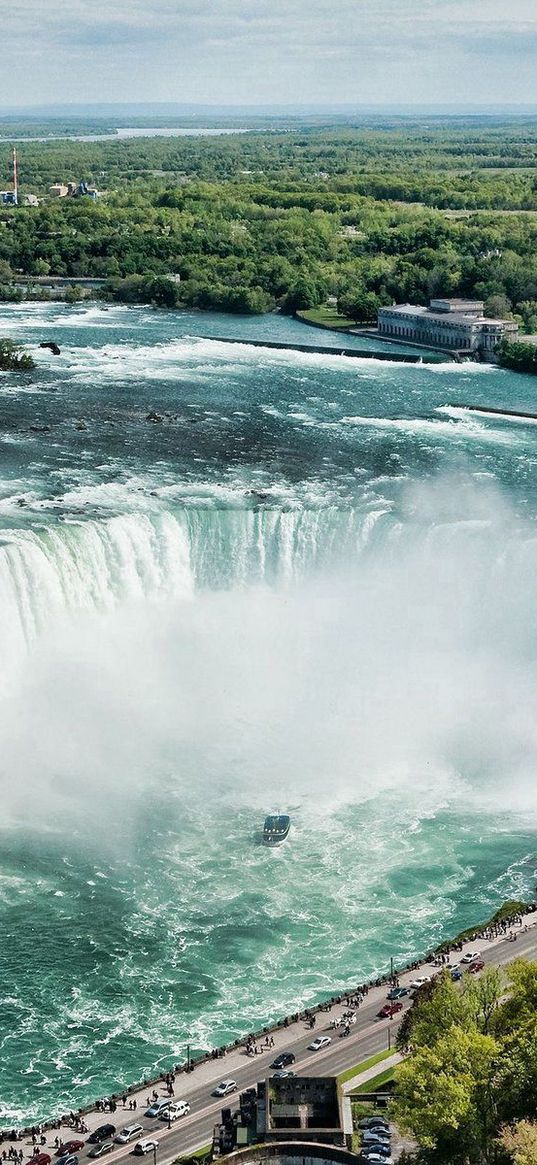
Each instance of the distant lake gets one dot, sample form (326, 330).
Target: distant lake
(154, 132)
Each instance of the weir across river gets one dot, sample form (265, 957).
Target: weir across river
(326, 350)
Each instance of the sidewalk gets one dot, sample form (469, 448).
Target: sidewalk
(370, 1073)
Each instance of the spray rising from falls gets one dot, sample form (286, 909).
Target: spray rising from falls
(98, 565)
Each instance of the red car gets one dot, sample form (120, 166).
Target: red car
(475, 967)
(390, 1009)
(69, 1147)
(40, 1159)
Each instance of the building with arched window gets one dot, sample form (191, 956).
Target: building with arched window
(457, 325)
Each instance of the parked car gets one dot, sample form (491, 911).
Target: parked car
(143, 1147)
(377, 1158)
(224, 1088)
(477, 966)
(390, 1009)
(71, 1159)
(319, 1042)
(283, 1074)
(40, 1159)
(101, 1134)
(370, 1121)
(69, 1147)
(456, 974)
(101, 1148)
(397, 992)
(381, 1150)
(283, 1060)
(376, 1134)
(469, 958)
(417, 983)
(158, 1106)
(129, 1133)
(179, 1108)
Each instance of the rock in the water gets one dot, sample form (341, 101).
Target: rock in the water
(154, 417)
(54, 347)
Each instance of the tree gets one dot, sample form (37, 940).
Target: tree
(520, 1142)
(13, 359)
(517, 1073)
(445, 1094)
(481, 998)
(498, 307)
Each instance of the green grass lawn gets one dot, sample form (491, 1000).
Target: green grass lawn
(376, 1082)
(326, 317)
(364, 1066)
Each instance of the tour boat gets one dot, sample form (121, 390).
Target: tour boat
(276, 829)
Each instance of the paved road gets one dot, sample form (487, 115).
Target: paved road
(368, 1035)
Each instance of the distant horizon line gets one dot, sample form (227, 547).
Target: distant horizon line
(178, 108)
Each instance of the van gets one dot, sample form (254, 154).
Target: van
(129, 1133)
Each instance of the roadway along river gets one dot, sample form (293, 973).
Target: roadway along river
(368, 1036)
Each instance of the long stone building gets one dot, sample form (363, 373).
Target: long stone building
(457, 324)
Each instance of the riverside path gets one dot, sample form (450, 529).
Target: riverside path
(368, 1035)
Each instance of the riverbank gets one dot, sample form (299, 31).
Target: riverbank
(285, 1031)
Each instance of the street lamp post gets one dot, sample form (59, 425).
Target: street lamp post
(188, 1057)
(154, 1155)
(389, 1034)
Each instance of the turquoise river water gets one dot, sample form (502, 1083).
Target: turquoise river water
(309, 587)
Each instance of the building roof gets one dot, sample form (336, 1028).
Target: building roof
(440, 317)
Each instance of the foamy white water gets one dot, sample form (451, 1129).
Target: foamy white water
(307, 585)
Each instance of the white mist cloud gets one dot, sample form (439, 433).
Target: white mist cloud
(411, 670)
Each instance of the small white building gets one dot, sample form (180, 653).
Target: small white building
(456, 324)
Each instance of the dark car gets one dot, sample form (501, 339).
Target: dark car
(397, 992)
(71, 1159)
(101, 1134)
(477, 966)
(283, 1060)
(101, 1148)
(456, 974)
(40, 1159)
(373, 1120)
(389, 1009)
(69, 1147)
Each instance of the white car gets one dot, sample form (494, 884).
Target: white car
(143, 1147)
(469, 958)
(420, 981)
(224, 1088)
(129, 1133)
(180, 1108)
(320, 1042)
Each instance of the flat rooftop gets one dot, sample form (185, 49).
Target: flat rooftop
(440, 317)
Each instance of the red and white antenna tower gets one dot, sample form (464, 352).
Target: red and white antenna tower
(15, 178)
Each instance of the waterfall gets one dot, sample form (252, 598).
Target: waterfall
(60, 569)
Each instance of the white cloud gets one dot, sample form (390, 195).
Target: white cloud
(270, 50)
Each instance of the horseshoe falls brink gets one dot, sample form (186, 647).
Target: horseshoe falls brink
(308, 587)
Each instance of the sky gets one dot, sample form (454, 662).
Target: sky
(269, 51)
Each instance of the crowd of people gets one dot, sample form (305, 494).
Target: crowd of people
(255, 1043)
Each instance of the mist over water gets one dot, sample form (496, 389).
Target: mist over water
(309, 588)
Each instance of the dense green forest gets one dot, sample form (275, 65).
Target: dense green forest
(369, 214)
